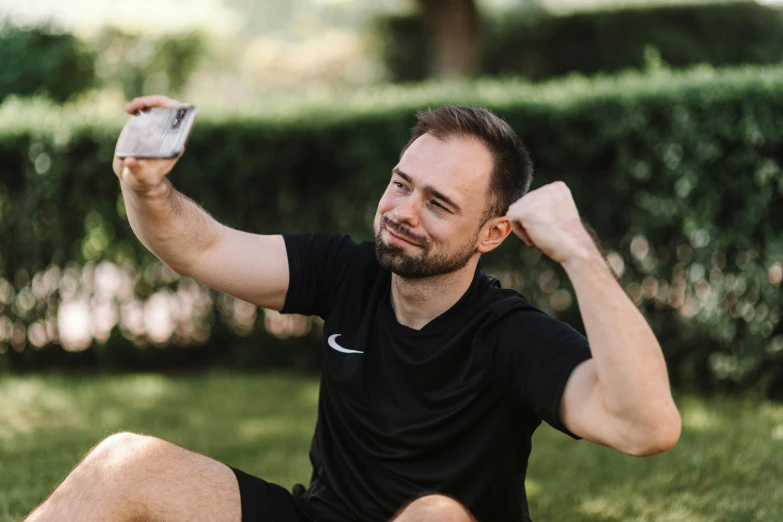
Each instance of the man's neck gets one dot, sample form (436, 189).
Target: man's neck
(416, 302)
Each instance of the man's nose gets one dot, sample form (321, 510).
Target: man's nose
(407, 212)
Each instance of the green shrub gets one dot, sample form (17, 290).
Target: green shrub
(538, 46)
(41, 61)
(678, 173)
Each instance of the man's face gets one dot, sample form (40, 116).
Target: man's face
(429, 219)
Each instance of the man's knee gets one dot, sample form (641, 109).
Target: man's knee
(123, 453)
(434, 508)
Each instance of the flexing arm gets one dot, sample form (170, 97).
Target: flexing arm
(186, 238)
(625, 387)
(621, 397)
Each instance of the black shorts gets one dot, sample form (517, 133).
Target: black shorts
(263, 501)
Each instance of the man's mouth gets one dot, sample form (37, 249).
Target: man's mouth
(400, 238)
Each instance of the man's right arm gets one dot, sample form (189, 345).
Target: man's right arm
(252, 267)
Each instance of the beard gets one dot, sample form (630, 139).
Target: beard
(394, 259)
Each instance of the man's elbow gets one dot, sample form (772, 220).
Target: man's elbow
(658, 437)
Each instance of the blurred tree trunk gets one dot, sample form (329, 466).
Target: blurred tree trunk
(454, 28)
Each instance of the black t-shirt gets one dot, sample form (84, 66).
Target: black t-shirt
(449, 408)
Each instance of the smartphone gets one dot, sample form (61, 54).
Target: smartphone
(156, 133)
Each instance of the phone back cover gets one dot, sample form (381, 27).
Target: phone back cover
(143, 135)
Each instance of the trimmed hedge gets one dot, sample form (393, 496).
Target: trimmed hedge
(539, 46)
(678, 173)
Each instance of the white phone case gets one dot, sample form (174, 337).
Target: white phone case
(157, 133)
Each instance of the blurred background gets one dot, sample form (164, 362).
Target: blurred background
(664, 117)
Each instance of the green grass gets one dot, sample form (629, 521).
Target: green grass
(727, 466)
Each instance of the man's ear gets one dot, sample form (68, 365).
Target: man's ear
(493, 233)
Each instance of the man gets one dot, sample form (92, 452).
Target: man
(434, 378)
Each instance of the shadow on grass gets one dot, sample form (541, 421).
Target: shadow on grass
(726, 467)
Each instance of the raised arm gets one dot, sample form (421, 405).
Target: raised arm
(191, 242)
(621, 397)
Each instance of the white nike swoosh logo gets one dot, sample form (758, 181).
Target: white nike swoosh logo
(333, 343)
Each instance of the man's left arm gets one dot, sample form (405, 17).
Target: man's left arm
(621, 397)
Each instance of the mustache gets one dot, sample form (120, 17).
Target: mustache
(401, 231)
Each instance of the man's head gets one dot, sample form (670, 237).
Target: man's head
(448, 195)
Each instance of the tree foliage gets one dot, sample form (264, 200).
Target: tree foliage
(43, 61)
(537, 46)
(140, 64)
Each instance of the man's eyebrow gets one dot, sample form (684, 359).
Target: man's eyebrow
(429, 189)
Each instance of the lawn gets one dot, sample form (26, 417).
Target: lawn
(728, 465)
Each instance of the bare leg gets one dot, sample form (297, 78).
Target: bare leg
(434, 508)
(136, 478)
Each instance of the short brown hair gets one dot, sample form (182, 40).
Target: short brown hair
(512, 171)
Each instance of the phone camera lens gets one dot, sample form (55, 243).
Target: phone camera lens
(178, 118)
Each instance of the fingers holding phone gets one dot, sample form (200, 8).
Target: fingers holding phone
(142, 103)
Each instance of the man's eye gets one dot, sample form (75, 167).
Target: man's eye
(441, 207)
(399, 185)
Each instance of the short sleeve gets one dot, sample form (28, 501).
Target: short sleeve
(534, 356)
(317, 265)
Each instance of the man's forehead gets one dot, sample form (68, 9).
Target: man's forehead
(457, 163)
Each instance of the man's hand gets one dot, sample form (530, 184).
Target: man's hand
(144, 176)
(547, 219)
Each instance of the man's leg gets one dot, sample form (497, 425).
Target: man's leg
(136, 478)
(433, 508)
